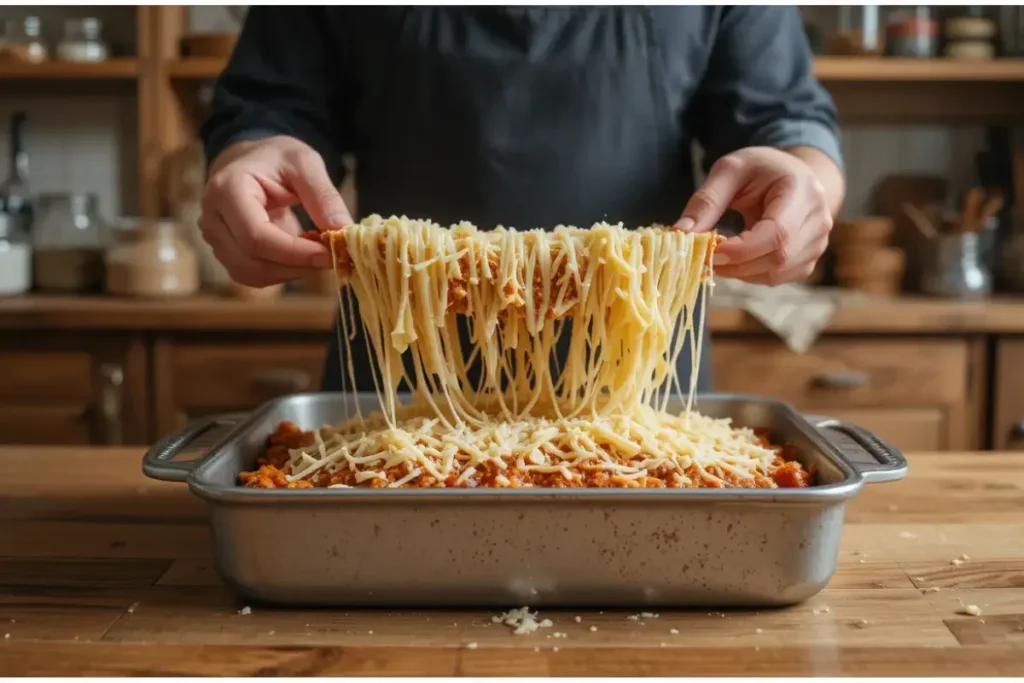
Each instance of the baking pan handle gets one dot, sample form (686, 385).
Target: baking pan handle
(157, 462)
(868, 453)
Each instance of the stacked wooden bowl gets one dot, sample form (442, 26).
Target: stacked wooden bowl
(865, 259)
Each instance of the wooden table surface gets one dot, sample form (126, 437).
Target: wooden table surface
(105, 572)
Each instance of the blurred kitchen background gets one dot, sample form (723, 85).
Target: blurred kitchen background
(117, 325)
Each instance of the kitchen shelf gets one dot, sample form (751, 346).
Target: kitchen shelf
(890, 69)
(196, 68)
(828, 69)
(113, 69)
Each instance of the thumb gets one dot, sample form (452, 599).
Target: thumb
(319, 197)
(712, 199)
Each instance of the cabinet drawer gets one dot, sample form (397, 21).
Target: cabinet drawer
(846, 373)
(234, 376)
(46, 374)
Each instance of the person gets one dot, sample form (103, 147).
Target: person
(525, 117)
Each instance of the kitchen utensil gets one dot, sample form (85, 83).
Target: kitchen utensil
(541, 547)
(972, 209)
(955, 268)
(15, 193)
(920, 220)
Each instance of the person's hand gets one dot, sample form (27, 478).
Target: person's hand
(784, 209)
(247, 217)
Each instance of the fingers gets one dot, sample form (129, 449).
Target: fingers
(244, 268)
(727, 178)
(247, 220)
(308, 178)
(792, 264)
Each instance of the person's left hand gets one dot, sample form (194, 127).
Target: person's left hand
(784, 209)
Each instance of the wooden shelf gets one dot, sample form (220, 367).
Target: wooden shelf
(113, 69)
(828, 69)
(197, 68)
(888, 69)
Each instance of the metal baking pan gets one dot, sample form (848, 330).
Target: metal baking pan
(537, 547)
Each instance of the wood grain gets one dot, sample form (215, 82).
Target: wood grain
(128, 587)
(314, 313)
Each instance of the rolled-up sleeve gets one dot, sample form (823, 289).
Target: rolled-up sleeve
(759, 88)
(284, 78)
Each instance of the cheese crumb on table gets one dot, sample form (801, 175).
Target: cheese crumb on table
(971, 610)
(471, 646)
(245, 611)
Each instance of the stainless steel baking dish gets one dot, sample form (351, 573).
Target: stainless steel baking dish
(568, 547)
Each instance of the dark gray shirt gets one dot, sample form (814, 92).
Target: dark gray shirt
(525, 117)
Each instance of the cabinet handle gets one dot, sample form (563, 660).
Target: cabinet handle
(840, 380)
(283, 381)
(112, 402)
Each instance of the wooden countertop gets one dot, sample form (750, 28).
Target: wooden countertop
(105, 572)
(303, 313)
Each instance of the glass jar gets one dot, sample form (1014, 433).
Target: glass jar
(70, 238)
(159, 263)
(912, 32)
(15, 257)
(22, 41)
(858, 32)
(83, 41)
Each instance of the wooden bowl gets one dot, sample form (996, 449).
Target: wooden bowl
(209, 44)
(868, 231)
(878, 271)
(874, 259)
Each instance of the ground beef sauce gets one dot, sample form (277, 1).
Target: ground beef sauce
(788, 473)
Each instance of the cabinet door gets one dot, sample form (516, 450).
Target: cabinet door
(70, 388)
(1008, 425)
(198, 377)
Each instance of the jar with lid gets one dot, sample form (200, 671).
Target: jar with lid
(22, 41)
(858, 32)
(83, 41)
(912, 32)
(69, 239)
(15, 257)
(159, 263)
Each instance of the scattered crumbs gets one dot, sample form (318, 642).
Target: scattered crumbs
(823, 610)
(964, 557)
(674, 631)
(917, 578)
(579, 619)
(471, 646)
(758, 630)
(862, 560)
(910, 535)
(521, 621)
(648, 615)
(633, 617)
(131, 610)
(369, 633)
(956, 562)
(558, 634)
(932, 589)
(245, 611)
(593, 628)
(861, 623)
(271, 633)
(971, 610)
(600, 612)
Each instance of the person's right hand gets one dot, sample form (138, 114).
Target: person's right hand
(247, 217)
